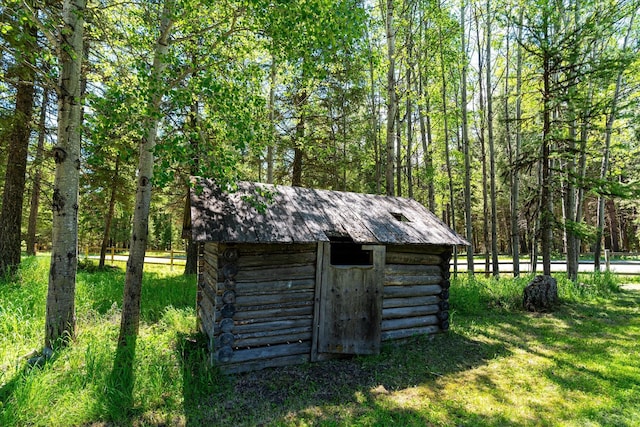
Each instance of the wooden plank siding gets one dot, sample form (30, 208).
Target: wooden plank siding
(264, 294)
(258, 303)
(415, 301)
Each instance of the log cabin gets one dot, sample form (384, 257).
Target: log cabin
(289, 275)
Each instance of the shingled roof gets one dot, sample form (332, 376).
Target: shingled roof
(263, 213)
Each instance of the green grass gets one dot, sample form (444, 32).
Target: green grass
(498, 365)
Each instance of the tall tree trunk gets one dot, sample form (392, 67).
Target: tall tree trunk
(446, 142)
(604, 170)
(374, 115)
(515, 177)
(398, 154)
(191, 264)
(409, 119)
(300, 102)
(492, 159)
(60, 316)
(15, 174)
(546, 211)
(272, 120)
(106, 235)
(392, 106)
(130, 319)
(582, 165)
(483, 154)
(37, 176)
(465, 142)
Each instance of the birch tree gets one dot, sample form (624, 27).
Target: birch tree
(60, 315)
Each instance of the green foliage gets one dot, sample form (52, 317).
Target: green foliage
(479, 295)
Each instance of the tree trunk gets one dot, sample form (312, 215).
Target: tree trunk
(546, 211)
(130, 319)
(60, 316)
(391, 97)
(300, 102)
(37, 177)
(614, 226)
(446, 142)
(107, 221)
(465, 143)
(492, 158)
(272, 123)
(409, 119)
(483, 156)
(398, 154)
(604, 170)
(18, 148)
(515, 177)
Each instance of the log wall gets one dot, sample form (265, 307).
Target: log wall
(416, 291)
(257, 303)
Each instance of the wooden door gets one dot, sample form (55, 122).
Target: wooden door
(348, 304)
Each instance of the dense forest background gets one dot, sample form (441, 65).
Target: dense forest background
(518, 123)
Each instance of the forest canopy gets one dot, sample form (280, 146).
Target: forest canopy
(515, 122)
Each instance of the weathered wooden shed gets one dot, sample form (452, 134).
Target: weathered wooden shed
(289, 275)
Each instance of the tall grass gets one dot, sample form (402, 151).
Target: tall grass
(474, 295)
(78, 386)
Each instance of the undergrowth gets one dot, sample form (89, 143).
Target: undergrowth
(474, 295)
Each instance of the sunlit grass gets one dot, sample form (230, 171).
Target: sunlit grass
(498, 365)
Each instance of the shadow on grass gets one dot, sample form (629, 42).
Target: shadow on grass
(199, 379)
(118, 397)
(591, 349)
(267, 396)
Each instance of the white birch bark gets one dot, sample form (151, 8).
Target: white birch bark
(60, 317)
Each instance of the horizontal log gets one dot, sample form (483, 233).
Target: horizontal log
(240, 325)
(271, 259)
(289, 337)
(400, 312)
(397, 280)
(206, 304)
(209, 293)
(272, 273)
(211, 249)
(275, 286)
(422, 249)
(209, 280)
(207, 320)
(273, 333)
(244, 314)
(283, 297)
(253, 327)
(236, 368)
(412, 258)
(411, 291)
(406, 333)
(271, 352)
(210, 262)
(266, 307)
(409, 322)
(411, 270)
(250, 249)
(410, 301)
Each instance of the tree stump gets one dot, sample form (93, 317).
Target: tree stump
(540, 294)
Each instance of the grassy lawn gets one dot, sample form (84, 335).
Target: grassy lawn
(498, 365)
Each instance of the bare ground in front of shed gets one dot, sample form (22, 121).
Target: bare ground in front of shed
(497, 365)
